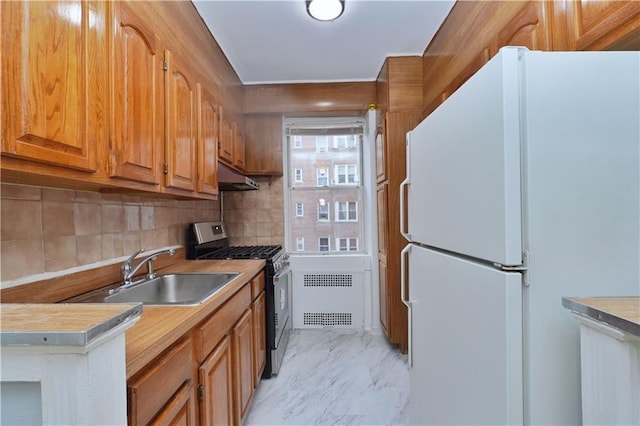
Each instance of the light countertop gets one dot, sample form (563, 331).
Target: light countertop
(620, 312)
(61, 324)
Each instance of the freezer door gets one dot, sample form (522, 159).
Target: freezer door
(463, 168)
(466, 342)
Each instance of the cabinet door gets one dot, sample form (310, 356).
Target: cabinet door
(238, 149)
(181, 125)
(259, 338)
(383, 228)
(225, 148)
(153, 391)
(53, 88)
(180, 410)
(242, 365)
(384, 296)
(215, 374)
(381, 157)
(526, 29)
(137, 99)
(207, 143)
(605, 24)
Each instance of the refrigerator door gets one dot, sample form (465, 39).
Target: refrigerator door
(466, 341)
(463, 168)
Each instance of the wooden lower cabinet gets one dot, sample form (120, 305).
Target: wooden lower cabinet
(242, 348)
(164, 392)
(259, 341)
(208, 377)
(180, 410)
(216, 386)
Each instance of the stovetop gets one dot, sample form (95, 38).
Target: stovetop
(208, 240)
(243, 252)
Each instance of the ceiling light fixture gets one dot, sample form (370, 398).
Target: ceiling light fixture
(325, 10)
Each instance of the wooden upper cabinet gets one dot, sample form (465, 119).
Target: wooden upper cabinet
(604, 25)
(263, 144)
(238, 148)
(527, 28)
(225, 147)
(181, 125)
(137, 99)
(207, 143)
(53, 82)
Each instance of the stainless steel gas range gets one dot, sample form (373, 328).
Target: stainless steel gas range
(208, 240)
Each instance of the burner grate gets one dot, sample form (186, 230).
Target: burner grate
(244, 252)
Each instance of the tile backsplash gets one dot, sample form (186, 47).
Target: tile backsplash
(256, 217)
(49, 230)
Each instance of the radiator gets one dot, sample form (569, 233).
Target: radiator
(327, 300)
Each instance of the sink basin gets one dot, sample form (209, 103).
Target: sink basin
(169, 289)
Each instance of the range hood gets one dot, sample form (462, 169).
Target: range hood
(230, 180)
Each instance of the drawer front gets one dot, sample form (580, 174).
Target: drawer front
(210, 332)
(150, 391)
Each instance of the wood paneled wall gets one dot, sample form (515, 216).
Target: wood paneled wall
(309, 97)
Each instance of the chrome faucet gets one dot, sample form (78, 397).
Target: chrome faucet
(128, 272)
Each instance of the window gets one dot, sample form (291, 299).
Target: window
(346, 211)
(323, 244)
(323, 211)
(347, 244)
(322, 177)
(346, 174)
(322, 144)
(344, 142)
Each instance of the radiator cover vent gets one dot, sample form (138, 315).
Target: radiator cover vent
(328, 280)
(327, 319)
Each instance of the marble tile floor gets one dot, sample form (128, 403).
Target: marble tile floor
(335, 377)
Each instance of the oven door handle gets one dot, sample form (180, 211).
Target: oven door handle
(285, 270)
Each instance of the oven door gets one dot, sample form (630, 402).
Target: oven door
(281, 289)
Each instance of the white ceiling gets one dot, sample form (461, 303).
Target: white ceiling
(275, 41)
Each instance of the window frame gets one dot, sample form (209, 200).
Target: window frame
(320, 245)
(322, 144)
(299, 209)
(296, 178)
(299, 243)
(346, 174)
(328, 211)
(347, 211)
(348, 246)
(318, 171)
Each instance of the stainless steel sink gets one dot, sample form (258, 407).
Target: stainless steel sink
(169, 289)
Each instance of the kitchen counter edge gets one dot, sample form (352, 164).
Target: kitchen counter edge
(622, 313)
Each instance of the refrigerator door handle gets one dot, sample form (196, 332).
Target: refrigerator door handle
(403, 296)
(403, 209)
(405, 183)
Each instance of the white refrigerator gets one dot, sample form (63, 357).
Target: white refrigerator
(522, 187)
